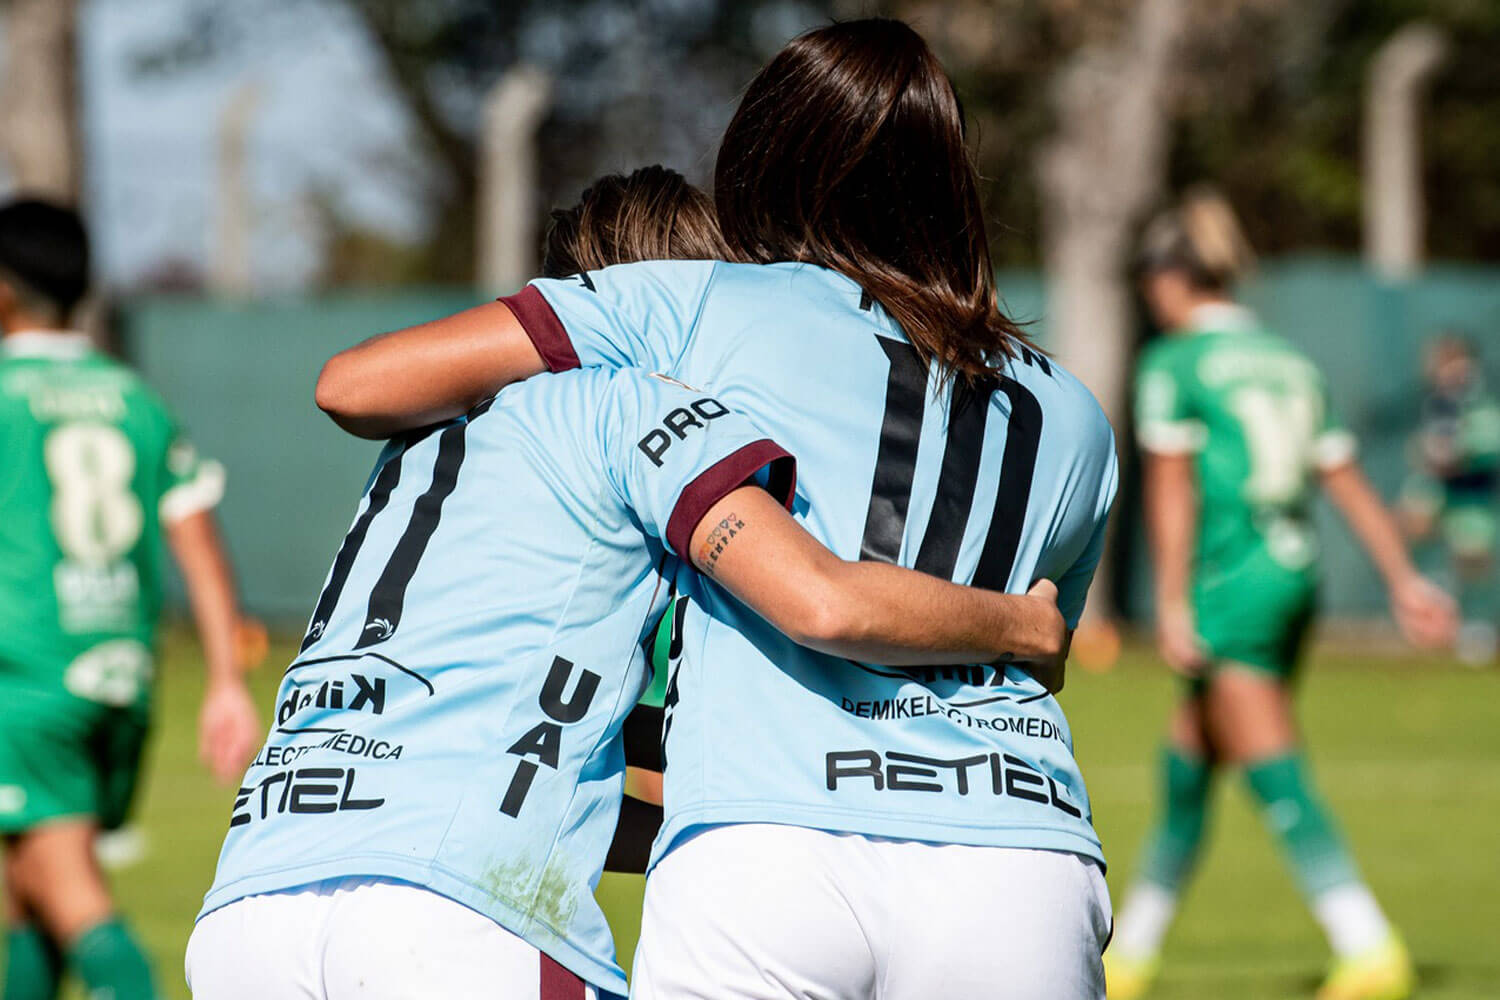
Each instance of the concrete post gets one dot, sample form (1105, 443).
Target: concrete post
(232, 273)
(507, 237)
(1394, 213)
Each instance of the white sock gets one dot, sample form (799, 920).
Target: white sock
(1352, 919)
(1143, 920)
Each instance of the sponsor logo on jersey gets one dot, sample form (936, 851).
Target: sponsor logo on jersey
(368, 683)
(924, 705)
(353, 744)
(542, 744)
(999, 774)
(305, 790)
(951, 695)
(679, 422)
(115, 673)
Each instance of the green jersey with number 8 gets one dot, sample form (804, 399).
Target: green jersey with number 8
(91, 466)
(1254, 413)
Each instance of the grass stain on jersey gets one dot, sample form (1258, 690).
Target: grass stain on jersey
(549, 899)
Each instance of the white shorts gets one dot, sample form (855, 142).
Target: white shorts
(367, 938)
(772, 912)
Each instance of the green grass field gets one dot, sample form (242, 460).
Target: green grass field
(1408, 753)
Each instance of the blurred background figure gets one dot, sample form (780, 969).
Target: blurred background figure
(96, 477)
(1238, 430)
(1451, 495)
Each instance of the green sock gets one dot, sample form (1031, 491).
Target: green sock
(1173, 848)
(111, 963)
(33, 964)
(1307, 832)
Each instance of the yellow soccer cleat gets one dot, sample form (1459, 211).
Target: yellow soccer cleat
(1385, 973)
(1127, 977)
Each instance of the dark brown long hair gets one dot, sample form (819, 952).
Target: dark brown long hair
(650, 214)
(848, 152)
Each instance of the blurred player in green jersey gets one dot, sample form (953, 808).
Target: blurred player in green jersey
(1452, 495)
(1237, 431)
(93, 475)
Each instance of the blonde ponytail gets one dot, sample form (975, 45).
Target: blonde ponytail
(1202, 237)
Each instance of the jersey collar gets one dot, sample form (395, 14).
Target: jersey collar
(1222, 317)
(56, 345)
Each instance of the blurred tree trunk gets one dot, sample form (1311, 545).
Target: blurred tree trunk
(39, 130)
(1097, 175)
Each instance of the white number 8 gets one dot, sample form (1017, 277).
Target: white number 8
(95, 516)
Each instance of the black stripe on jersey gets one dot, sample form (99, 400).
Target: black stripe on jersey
(896, 461)
(967, 416)
(380, 495)
(386, 600)
(1022, 439)
(1036, 358)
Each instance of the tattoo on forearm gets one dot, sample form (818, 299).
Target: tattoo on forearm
(718, 540)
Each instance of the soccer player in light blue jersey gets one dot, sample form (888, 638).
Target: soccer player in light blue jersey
(836, 829)
(431, 811)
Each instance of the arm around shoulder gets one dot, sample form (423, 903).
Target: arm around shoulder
(426, 373)
(867, 611)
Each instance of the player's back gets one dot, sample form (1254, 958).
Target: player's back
(1259, 411)
(996, 485)
(87, 466)
(450, 719)
(885, 472)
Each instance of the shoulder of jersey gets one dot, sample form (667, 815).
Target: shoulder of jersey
(1043, 369)
(695, 271)
(802, 277)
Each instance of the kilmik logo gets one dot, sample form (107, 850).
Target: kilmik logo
(356, 682)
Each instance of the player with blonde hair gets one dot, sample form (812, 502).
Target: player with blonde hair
(1237, 429)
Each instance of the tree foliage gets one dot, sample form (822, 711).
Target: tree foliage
(1266, 101)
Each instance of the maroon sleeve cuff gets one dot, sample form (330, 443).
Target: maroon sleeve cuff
(723, 478)
(546, 331)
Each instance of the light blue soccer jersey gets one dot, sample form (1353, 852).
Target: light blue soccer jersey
(998, 487)
(453, 717)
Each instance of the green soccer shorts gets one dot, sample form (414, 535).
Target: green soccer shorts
(65, 757)
(1257, 615)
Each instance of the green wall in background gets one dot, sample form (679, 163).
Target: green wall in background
(240, 378)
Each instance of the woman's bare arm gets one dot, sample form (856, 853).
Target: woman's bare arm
(426, 373)
(228, 725)
(1172, 524)
(1426, 615)
(868, 611)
